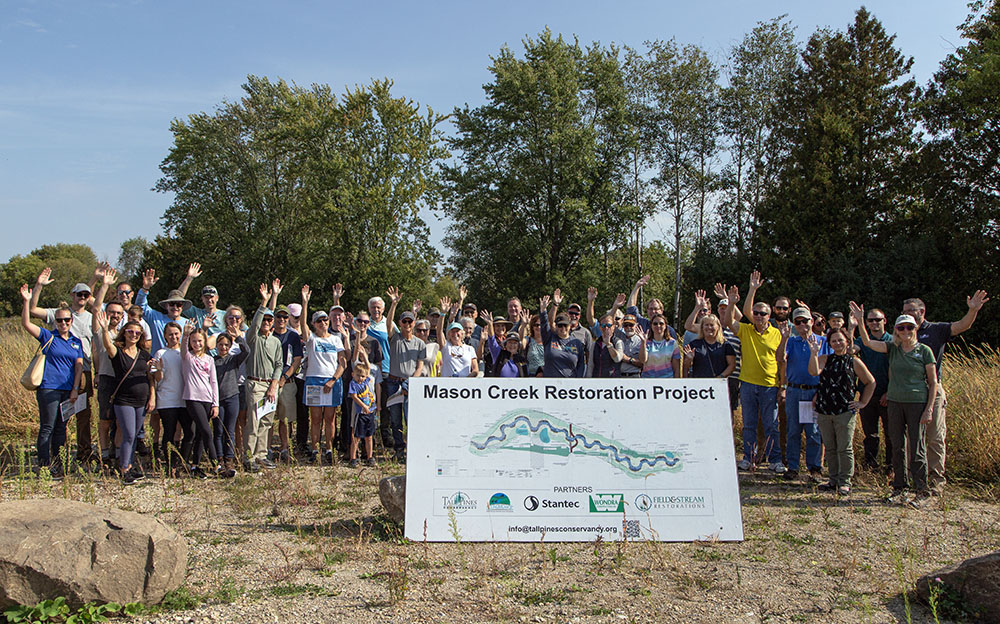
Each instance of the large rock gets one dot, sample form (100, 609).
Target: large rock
(58, 547)
(392, 493)
(976, 580)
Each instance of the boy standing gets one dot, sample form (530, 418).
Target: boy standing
(362, 393)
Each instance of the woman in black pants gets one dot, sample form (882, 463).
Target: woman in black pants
(201, 393)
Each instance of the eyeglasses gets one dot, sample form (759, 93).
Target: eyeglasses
(876, 320)
(233, 317)
(362, 321)
(607, 325)
(562, 324)
(777, 307)
(760, 313)
(83, 295)
(124, 292)
(573, 313)
(64, 320)
(133, 332)
(906, 328)
(801, 321)
(406, 321)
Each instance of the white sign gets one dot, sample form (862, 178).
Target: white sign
(316, 397)
(526, 460)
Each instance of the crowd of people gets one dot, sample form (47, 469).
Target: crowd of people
(216, 383)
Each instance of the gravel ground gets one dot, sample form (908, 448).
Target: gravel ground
(311, 544)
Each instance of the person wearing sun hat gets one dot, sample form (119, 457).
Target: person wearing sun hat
(912, 388)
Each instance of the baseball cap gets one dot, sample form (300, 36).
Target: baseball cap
(408, 315)
(902, 319)
(834, 315)
(434, 312)
(295, 309)
(801, 313)
(512, 335)
(455, 325)
(319, 314)
(282, 308)
(336, 306)
(80, 287)
(209, 290)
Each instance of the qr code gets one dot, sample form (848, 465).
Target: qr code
(631, 529)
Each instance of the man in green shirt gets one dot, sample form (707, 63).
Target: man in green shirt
(264, 366)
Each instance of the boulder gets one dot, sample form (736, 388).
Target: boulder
(976, 581)
(392, 493)
(58, 547)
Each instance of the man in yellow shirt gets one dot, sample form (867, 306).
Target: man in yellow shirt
(759, 387)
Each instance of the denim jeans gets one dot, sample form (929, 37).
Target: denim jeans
(397, 415)
(225, 426)
(793, 442)
(52, 428)
(756, 399)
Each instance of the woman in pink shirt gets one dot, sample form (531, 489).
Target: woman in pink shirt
(201, 393)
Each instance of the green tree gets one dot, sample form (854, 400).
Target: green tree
(130, 258)
(848, 132)
(535, 194)
(70, 264)
(305, 185)
(679, 129)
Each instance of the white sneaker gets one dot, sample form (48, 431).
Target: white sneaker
(779, 468)
(743, 465)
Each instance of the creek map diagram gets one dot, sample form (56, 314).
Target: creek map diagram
(534, 431)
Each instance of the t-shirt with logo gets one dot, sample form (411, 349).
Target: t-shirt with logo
(81, 327)
(908, 373)
(323, 355)
(60, 360)
(365, 391)
(935, 336)
(456, 360)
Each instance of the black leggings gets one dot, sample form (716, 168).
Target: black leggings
(201, 414)
(170, 417)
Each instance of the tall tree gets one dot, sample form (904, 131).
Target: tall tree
(679, 132)
(848, 130)
(301, 183)
(536, 191)
(758, 70)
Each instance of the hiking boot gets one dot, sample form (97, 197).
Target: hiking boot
(267, 463)
(284, 457)
(815, 476)
(328, 457)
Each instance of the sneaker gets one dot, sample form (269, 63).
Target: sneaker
(141, 449)
(251, 467)
(267, 463)
(371, 461)
(328, 457)
(743, 465)
(284, 457)
(311, 456)
(844, 490)
(136, 470)
(778, 468)
(898, 497)
(354, 463)
(198, 473)
(815, 476)
(129, 478)
(829, 486)
(791, 475)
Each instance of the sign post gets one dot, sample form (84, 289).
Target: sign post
(494, 459)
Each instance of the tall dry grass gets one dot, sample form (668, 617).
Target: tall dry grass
(972, 381)
(18, 409)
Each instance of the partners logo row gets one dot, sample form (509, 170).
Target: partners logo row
(461, 502)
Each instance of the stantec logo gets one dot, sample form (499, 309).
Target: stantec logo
(499, 502)
(607, 503)
(531, 503)
(459, 502)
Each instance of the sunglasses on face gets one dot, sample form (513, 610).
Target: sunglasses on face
(322, 320)
(406, 321)
(83, 295)
(267, 319)
(363, 322)
(628, 325)
(780, 307)
(801, 321)
(124, 292)
(283, 317)
(760, 313)
(64, 320)
(133, 332)
(233, 317)
(175, 305)
(905, 328)
(607, 325)
(574, 313)
(562, 324)
(421, 329)
(876, 320)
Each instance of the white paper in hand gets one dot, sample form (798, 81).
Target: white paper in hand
(316, 397)
(806, 414)
(265, 407)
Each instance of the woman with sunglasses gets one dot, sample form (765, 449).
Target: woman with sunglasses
(62, 376)
(663, 356)
(564, 356)
(836, 410)
(457, 358)
(136, 389)
(534, 348)
(604, 355)
(709, 354)
(327, 362)
(912, 387)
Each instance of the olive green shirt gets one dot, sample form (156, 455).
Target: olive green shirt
(908, 373)
(265, 361)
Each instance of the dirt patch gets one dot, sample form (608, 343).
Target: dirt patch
(310, 544)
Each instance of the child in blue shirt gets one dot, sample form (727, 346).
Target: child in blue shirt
(362, 393)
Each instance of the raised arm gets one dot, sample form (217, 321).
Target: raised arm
(700, 303)
(276, 289)
(633, 296)
(390, 318)
(194, 270)
(26, 323)
(755, 283)
(109, 344)
(731, 317)
(816, 361)
(975, 303)
(557, 299)
(108, 277)
(543, 318)
(44, 279)
(304, 324)
(858, 312)
(337, 292)
(591, 295)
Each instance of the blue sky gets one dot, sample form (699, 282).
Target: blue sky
(88, 89)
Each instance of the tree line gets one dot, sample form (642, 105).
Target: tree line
(823, 164)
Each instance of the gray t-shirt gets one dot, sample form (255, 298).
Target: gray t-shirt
(630, 347)
(81, 327)
(404, 355)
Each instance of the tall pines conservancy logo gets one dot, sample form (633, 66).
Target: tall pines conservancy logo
(459, 502)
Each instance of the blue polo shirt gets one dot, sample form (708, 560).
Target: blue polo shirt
(797, 360)
(60, 360)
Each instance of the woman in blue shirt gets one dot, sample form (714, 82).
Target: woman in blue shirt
(60, 382)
